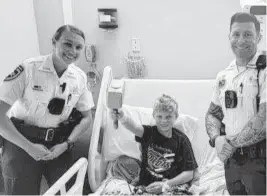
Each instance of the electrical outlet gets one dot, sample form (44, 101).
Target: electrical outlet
(136, 44)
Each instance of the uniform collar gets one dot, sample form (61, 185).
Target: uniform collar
(70, 71)
(232, 65)
(251, 63)
(47, 65)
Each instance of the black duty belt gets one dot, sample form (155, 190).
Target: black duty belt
(50, 136)
(257, 150)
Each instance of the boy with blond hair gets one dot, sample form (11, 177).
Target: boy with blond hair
(167, 156)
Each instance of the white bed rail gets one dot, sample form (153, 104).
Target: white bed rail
(95, 158)
(80, 168)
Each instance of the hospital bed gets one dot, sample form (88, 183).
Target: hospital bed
(108, 143)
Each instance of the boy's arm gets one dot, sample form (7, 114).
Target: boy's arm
(135, 128)
(181, 178)
(159, 186)
(188, 164)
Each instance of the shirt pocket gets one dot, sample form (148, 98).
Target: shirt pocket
(251, 87)
(40, 93)
(38, 97)
(71, 100)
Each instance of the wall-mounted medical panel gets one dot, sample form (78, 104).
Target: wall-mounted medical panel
(107, 18)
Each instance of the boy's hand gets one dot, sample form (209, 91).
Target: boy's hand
(116, 114)
(155, 187)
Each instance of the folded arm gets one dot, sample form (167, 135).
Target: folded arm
(254, 131)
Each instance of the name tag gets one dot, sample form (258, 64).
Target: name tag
(37, 88)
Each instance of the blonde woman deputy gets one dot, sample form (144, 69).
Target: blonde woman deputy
(41, 94)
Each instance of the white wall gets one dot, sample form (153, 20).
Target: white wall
(18, 34)
(49, 17)
(179, 39)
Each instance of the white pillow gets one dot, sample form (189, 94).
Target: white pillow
(122, 142)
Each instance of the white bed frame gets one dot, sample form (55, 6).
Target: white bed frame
(79, 168)
(193, 97)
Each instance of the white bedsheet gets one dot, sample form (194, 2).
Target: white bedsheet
(211, 179)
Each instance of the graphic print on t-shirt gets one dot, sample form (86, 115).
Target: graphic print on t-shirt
(159, 160)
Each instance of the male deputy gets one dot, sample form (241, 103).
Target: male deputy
(238, 104)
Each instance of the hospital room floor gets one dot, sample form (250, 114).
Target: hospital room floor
(80, 149)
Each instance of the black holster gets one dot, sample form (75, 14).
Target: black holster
(73, 120)
(1, 141)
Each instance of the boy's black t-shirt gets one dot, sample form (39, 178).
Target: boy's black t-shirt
(164, 157)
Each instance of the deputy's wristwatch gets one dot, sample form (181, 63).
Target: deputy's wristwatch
(70, 144)
(212, 141)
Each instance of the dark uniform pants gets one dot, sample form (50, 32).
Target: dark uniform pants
(22, 174)
(246, 177)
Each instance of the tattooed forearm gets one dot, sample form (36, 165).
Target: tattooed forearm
(212, 126)
(213, 120)
(254, 131)
(216, 111)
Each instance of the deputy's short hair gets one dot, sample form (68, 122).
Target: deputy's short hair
(70, 28)
(245, 17)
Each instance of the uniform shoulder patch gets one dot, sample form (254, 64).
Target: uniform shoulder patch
(15, 73)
